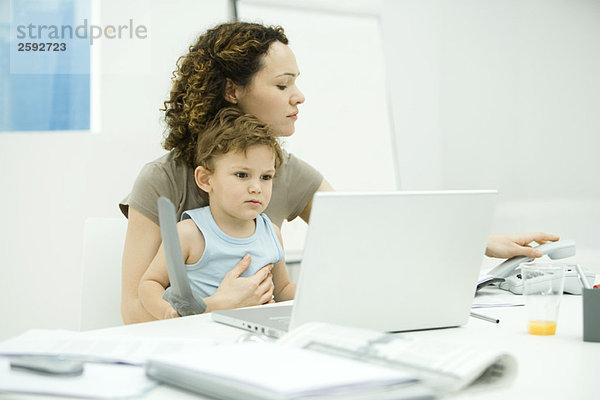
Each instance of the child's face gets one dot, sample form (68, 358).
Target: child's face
(241, 184)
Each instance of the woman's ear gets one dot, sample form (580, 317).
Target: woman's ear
(231, 91)
(202, 178)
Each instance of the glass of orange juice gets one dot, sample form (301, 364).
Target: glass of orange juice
(543, 285)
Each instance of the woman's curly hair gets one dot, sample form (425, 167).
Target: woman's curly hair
(229, 50)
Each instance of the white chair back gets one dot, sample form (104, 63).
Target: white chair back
(101, 282)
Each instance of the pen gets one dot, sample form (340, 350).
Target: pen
(582, 277)
(485, 318)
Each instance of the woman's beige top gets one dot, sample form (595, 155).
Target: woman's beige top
(293, 188)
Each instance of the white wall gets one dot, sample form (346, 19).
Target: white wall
(486, 94)
(501, 94)
(53, 181)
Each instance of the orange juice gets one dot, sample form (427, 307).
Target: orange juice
(540, 327)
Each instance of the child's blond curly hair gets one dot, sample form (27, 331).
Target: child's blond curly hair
(233, 131)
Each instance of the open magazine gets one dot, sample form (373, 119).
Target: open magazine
(325, 361)
(268, 371)
(443, 366)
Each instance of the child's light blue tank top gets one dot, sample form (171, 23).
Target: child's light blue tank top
(222, 252)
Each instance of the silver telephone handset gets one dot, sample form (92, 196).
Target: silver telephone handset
(178, 293)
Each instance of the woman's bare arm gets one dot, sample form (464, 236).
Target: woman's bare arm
(283, 288)
(141, 245)
(324, 187)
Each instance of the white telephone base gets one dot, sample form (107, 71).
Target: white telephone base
(573, 285)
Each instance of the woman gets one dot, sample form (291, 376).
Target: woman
(249, 66)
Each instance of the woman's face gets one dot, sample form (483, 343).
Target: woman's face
(272, 95)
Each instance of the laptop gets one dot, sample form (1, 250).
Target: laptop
(387, 261)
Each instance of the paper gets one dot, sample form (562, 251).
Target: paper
(267, 370)
(98, 381)
(496, 298)
(116, 349)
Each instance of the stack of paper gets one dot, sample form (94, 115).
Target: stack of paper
(105, 375)
(97, 348)
(98, 381)
(493, 297)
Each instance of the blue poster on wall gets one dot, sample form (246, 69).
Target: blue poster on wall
(45, 65)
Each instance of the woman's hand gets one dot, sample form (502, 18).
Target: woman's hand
(236, 291)
(517, 244)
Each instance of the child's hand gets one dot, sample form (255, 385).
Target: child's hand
(236, 291)
(170, 313)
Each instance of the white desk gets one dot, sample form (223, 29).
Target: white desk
(550, 367)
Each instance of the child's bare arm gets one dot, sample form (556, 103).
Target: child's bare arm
(152, 286)
(284, 289)
(156, 278)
